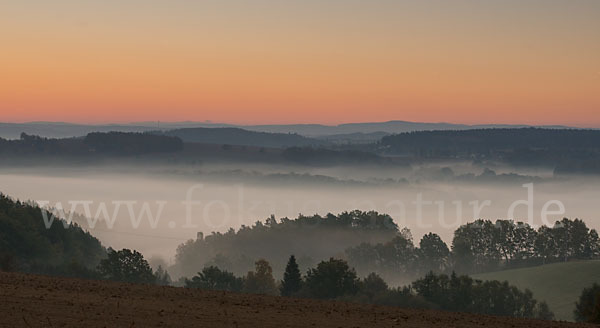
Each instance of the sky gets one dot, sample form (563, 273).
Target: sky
(304, 61)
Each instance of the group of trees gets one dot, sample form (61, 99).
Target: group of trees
(398, 260)
(372, 242)
(325, 156)
(128, 266)
(27, 245)
(124, 143)
(484, 246)
(568, 151)
(97, 143)
(478, 246)
(237, 136)
(33, 240)
(29, 145)
(462, 293)
(514, 145)
(259, 281)
(335, 279)
(311, 238)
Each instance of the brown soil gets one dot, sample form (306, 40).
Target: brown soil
(39, 301)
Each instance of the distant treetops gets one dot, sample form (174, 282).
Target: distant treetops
(97, 143)
(372, 242)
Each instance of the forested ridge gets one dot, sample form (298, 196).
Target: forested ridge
(311, 238)
(372, 242)
(237, 136)
(566, 150)
(488, 141)
(93, 144)
(27, 244)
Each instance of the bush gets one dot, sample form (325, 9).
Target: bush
(587, 309)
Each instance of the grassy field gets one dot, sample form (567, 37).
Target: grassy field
(559, 284)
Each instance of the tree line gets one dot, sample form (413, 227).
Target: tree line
(567, 150)
(335, 279)
(479, 246)
(312, 238)
(96, 143)
(372, 242)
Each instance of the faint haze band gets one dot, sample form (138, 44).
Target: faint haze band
(88, 213)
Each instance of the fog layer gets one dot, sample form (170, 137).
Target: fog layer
(155, 209)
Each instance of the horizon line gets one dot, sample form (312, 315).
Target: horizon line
(208, 122)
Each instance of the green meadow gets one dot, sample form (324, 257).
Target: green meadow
(559, 284)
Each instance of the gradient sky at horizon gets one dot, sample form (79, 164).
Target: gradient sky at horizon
(309, 61)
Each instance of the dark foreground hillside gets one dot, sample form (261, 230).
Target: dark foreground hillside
(40, 301)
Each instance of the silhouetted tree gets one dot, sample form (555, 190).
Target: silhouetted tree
(292, 280)
(373, 286)
(515, 241)
(475, 248)
(126, 266)
(212, 278)
(587, 308)
(331, 279)
(433, 253)
(162, 276)
(395, 258)
(542, 311)
(261, 280)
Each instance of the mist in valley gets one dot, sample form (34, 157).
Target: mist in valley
(156, 208)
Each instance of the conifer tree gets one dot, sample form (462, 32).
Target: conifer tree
(292, 281)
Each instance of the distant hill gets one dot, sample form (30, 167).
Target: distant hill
(559, 284)
(389, 127)
(493, 139)
(571, 150)
(237, 136)
(63, 130)
(160, 148)
(112, 143)
(354, 138)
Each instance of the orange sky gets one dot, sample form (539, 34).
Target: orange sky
(238, 61)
